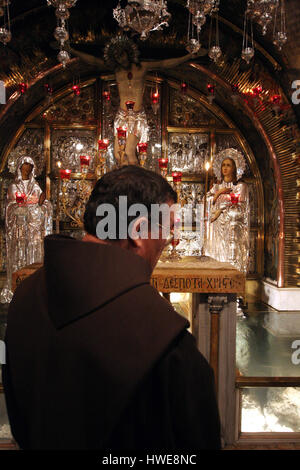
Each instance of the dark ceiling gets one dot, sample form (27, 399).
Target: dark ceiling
(91, 23)
(33, 23)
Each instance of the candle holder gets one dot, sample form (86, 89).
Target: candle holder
(64, 175)
(106, 97)
(183, 92)
(74, 212)
(163, 166)
(23, 87)
(84, 165)
(155, 101)
(276, 104)
(142, 150)
(183, 88)
(173, 254)
(177, 182)
(100, 167)
(71, 198)
(211, 92)
(76, 90)
(122, 133)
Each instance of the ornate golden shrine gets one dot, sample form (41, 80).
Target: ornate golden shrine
(55, 128)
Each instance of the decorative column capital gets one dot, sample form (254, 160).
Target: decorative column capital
(216, 303)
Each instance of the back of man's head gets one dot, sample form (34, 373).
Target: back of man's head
(140, 186)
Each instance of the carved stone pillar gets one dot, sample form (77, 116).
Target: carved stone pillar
(214, 326)
(215, 306)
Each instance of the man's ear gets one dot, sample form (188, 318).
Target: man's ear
(139, 230)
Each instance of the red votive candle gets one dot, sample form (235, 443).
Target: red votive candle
(65, 174)
(177, 176)
(155, 97)
(142, 147)
(23, 88)
(103, 144)
(76, 90)
(48, 89)
(130, 105)
(276, 99)
(106, 95)
(20, 198)
(163, 163)
(121, 132)
(257, 90)
(85, 160)
(183, 88)
(234, 198)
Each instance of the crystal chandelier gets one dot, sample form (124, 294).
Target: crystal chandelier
(5, 33)
(142, 16)
(248, 43)
(61, 33)
(262, 11)
(199, 9)
(193, 44)
(279, 32)
(215, 52)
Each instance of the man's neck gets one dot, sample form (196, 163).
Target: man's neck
(91, 238)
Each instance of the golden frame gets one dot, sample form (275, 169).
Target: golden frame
(229, 128)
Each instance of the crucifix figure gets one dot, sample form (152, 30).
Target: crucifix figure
(121, 56)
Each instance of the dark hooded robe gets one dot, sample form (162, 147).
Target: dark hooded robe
(97, 359)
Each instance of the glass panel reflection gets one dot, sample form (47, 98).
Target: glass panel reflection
(264, 343)
(270, 409)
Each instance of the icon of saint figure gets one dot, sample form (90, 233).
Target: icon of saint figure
(28, 219)
(228, 226)
(121, 56)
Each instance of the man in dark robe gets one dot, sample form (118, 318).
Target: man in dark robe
(96, 358)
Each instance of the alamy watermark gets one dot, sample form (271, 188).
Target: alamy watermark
(154, 222)
(296, 93)
(296, 354)
(2, 353)
(2, 93)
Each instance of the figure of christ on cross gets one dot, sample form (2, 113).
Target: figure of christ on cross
(121, 57)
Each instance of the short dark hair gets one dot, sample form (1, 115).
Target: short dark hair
(141, 186)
